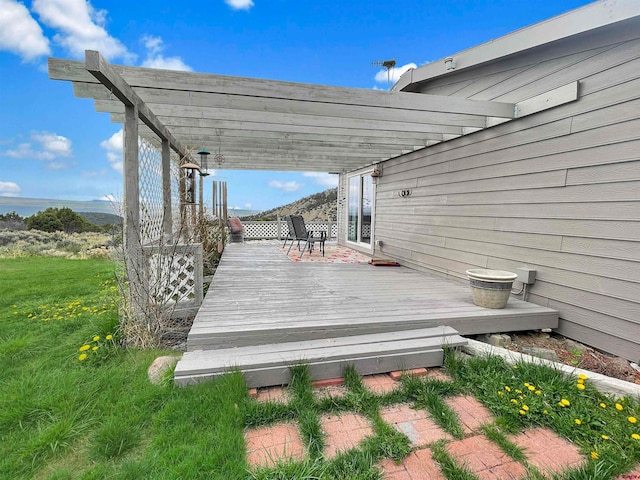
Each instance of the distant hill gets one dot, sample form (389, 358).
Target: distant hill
(319, 206)
(99, 218)
(26, 207)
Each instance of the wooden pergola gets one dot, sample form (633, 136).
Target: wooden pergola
(272, 125)
(257, 125)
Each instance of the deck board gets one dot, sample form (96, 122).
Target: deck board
(259, 296)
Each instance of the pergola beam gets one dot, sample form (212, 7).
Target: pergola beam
(97, 66)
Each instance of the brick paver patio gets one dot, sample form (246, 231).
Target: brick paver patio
(267, 445)
(548, 452)
(485, 459)
(471, 413)
(544, 450)
(380, 384)
(418, 465)
(417, 425)
(343, 432)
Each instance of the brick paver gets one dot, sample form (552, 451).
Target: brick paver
(415, 424)
(273, 394)
(268, 445)
(380, 384)
(335, 391)
(418, 465)
(343, 432)
(484, 459)
(471, 413)
(547, 451)
(632, 475)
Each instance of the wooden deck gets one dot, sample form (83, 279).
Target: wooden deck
(260, 297)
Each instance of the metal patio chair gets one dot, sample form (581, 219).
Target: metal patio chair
(302, 235)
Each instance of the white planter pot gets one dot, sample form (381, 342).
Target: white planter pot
(490, 288)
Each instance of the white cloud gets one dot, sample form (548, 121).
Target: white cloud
(113, 145)
(20, 33)
(155, 58)
(247, 206)
(240, 4)
(325, 179)
(394, 73)
(291, 186)
(43, 146)
(80, 27)
(9, 189)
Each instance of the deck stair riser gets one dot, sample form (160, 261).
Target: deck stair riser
(373, 353)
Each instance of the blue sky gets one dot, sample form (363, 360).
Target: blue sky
(53, 145)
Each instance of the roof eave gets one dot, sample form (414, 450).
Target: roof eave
(592, 16)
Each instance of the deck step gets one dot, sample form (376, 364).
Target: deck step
(266, 365)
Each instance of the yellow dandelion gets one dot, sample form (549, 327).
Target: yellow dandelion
(501, 393)
(515, 366)
(521, 397)
(522, 412)
(594, 455)
(518, 391)
(513, 400)
(538, 392)
(84, 348)
(635, 436)
(580, 386)
(578, 421)
(526, 384)
(580, 381)
(632, 419)
(531, 388)
(545, 411)
(508, 389)
(582, 376)
(605, 437)
(109, 337)
(96, 338)
(603, 405)
(619, 407)
(525, 408)
(95, 348)
(565, 402)
(82, 357)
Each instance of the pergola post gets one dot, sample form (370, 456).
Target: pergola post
(167, 219)
(132, 239)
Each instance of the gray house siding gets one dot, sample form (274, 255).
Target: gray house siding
(558, 191)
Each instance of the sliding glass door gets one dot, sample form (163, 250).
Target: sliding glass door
(360, 209)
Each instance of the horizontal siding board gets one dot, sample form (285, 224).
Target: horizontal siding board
(591, 328)
(515, 182)
(620, 172)
(610, 229)
(622, 132)
(625, 250)
(596, 211)
(607, 267)
(546, 242)
(624, 314)
(598, 284)
(466, 222)
(606, 192)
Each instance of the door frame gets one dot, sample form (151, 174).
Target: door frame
(359, 245)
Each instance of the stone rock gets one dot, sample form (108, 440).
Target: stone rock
(160, 367)
(635, 366)
(546, 330)
(497, 340)
(545, 353)
(622, 363)
(572, 346)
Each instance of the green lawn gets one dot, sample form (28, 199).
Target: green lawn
(61, 418)
(67, 416)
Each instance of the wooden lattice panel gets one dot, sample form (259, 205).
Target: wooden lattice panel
(150, 188)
